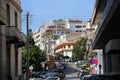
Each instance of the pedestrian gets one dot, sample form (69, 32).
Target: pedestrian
(78, 73)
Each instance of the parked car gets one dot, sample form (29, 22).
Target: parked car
(86, 77)
(52, 78)
(102, 77)
(55, 74)
(79, 63)
(83, 74)
(39, 74)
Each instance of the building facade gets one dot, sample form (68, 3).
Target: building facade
(76, 25)
(65, 44)
(67, 28)
(93, 57)
(107, 35)
(11, 39)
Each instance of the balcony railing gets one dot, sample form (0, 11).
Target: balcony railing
(3, 17)
(15, 36)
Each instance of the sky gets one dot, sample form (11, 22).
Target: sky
(42, 11)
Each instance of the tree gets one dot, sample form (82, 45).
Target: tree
(36, 56)
(79, 49)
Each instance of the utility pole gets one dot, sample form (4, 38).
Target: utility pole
(27, 47)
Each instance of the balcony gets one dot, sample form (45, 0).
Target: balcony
(22, 40)
(3, 17)
(15, 36)
(59, 51)
(68, 49)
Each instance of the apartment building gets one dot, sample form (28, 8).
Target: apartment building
(65, 44)
(37, 37)
(45, 37)
(49, 33)
(107, 35)
(40, 35)
(76, 25)
(11, 39)
(60, 22)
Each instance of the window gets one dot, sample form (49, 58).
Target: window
(83, 26)
(16, 24)
(61, 32)
(77, 31)
(54, 32)
(68, 46)
(8, 14)
(77, 26)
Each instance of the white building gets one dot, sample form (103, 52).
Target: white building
(76, 25)
(64, 45)
(40, 35)
(37, 37)
(66, 42)
(94, 57)
(57, 28)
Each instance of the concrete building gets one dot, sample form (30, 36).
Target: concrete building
(11, 39)
(57, 28)
(40, 35)
(51, 34)
(107, 35)
(93, 57)
(64, 45)
(60, 22)
(37, 37)
(47, 37)
(76, 25)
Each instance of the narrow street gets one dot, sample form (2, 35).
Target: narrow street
(71, 71)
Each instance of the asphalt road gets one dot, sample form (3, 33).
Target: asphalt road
(71, 71)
